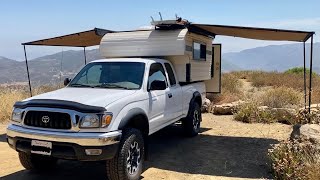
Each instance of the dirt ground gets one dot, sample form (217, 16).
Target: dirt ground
(225, 149)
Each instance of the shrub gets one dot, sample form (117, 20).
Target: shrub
(274, 105)
(230, 90)
(281, 97)
(299, 70)
(230, 83)
(295, 160)
(251, 113)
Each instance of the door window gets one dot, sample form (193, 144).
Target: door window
(172, 78)
(156, 73)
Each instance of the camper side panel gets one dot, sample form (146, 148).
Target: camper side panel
(200, 68)
(179, 63)
(143, 43)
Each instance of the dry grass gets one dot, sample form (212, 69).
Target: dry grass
(230, 90)
(275, 99)
(277, 79)
(295, 160)
(10, 94)
(282, 97)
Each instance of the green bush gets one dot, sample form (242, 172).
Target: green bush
(299, 70)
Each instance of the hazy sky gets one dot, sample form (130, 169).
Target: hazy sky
(28, 20)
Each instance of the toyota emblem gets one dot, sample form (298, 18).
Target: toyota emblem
(45, 119)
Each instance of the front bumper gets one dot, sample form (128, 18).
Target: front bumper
(66, 145)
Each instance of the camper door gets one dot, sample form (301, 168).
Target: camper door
(214, 84)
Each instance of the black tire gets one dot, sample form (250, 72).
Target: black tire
(128, 162)
(191, 123)
(37, 162)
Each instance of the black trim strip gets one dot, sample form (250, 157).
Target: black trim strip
(188, 72)
(51, 103)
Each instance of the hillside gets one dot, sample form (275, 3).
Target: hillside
(46, 69)
(274, 57)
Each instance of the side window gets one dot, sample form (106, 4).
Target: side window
(172, 79)
(156, 73)
(199, 51)
(91, 76)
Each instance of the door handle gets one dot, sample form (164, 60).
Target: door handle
(170, 95)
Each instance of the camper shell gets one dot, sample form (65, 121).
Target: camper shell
(192, 54)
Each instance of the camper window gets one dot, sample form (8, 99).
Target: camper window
(199, 51)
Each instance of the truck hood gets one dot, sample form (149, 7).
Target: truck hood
(89, 96)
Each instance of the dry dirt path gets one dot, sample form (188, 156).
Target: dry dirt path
(225, 149)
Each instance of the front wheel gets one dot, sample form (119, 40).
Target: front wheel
(37, 162)
(191, 123)
(128, 162)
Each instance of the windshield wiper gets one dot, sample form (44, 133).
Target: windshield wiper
(80, 85)
(109, 85)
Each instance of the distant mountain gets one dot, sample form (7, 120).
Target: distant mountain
(46, 69)
(227, 66)
(274, 57)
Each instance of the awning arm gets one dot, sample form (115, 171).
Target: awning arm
(304, 75)
(25, 55)
(310, 81)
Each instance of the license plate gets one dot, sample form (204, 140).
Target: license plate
(41, 147)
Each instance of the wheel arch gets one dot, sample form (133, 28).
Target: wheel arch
(196, 98)
(135, 118)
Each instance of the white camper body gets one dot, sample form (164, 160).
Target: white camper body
(191, 54)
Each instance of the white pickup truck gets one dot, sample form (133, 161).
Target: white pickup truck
(106, 112)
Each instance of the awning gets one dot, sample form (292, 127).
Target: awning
(254, 32)
(80, 39)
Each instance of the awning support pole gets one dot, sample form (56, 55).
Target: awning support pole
(304, 75)
(310, 81)
(85, 55)
(25, 55)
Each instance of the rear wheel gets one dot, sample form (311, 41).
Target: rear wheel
(191, 123)
(128, 162)
(36, 162)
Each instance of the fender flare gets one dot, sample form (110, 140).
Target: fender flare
(129, 116)
(194, 98)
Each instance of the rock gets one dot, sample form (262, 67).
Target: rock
(224, 109)
(227, 108)
(206, 105)
(309, 132)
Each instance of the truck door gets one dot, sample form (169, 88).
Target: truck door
(214, 84)
(157, 98)
(174, 96)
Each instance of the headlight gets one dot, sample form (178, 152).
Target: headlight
(17, 115)
(90, 121)
(96, 120)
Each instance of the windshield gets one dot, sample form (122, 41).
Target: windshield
(120, 75)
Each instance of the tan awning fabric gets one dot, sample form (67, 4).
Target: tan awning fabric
(256, 33)
(80, 39)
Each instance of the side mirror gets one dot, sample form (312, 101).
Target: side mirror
(158, 85)
(66, 81)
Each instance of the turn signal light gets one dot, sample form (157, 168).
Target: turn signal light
(106, 120)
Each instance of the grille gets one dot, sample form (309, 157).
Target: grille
(45, 119)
